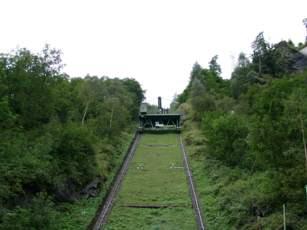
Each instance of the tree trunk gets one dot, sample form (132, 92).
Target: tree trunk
(260, 67)
(111, 118)
(303, 139)
(85, 112)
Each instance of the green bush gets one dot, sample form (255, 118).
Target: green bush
(38, 214)
(74, 157)
(226, 136)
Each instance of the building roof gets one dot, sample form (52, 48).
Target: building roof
(162, 114)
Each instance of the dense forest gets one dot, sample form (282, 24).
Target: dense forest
(57, 135)
(247, 138)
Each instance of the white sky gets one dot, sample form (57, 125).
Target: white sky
(154, 41)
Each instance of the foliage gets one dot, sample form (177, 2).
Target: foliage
(54, 133)
(214, 67)
(39, 215)
(226, 136)
(252, 142)
(74, 156)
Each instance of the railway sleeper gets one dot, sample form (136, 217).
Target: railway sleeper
(160, 145)
(155, 206)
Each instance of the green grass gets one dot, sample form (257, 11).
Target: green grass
(152, 179)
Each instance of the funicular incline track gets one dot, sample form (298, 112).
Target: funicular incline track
(103, 213)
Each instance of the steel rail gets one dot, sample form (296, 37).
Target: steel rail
(195, 201)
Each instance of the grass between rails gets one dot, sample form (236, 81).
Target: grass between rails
(155, 177)
(78, 215)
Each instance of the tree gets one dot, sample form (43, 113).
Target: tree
(243, 61)
(296, 111)
(200, 100)
(136, 92)
(87, 96)
(214, 66)
(196, 70)
(261, 55)
(29, 79)
(226, 138)
(241, 78)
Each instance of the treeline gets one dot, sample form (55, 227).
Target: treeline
(57, 134)
(254, 128)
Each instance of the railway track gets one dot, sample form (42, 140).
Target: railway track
(195, 200)
(103, 212)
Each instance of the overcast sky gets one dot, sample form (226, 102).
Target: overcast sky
(154, 41)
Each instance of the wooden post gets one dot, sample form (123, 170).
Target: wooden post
(111, 117)
(85, 112)
(303, 138)
(284, 216)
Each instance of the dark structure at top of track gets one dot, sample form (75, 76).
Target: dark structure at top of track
(162, 121)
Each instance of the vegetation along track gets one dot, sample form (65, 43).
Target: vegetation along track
(105, 209)
(153, 193)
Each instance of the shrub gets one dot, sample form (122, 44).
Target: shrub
(39, 215)
(226, 137)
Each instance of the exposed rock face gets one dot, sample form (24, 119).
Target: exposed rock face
(300, 60)
(297, 59)
(304, 51)
(92, 189)
(66, 192)
(69, 192)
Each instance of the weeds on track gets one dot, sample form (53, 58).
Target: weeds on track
(155, 177)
